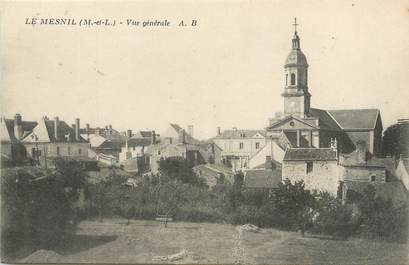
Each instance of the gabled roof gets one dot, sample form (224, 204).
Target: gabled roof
(355, 118)
(262, 178)
(310, 154)
(176, 127)
(28, 126)
(139, 141)
(325, 120)
(240, 134)
(44, 132)
(143, 134)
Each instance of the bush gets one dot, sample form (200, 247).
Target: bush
(37, 206)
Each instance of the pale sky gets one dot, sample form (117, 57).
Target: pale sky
(228, 71)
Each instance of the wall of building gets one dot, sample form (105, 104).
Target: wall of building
(6, 149)
(356, 136)
(232, 146)
(323, 177)
(363, 174)
(72, 149)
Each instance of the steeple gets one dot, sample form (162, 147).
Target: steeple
(296, 95)
(296, 39)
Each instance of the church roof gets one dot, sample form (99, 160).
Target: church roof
(310, 154)
(326, 121)
(355, 118)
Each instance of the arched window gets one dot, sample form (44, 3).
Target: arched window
(373, 178)
(286, 79)
(293, 79)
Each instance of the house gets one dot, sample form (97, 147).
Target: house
(362, 166)
(212, 175)
(307, 127)
(176, 142)
(51, 139)
(132, 155)
(105, 143)
(165, 150)
(261, 179)
(317, 167)
(238, 146)
(12, 132)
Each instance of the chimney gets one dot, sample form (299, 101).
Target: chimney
(56, 123)
(110, 129)
(361, 151)
(218, 130)
(129, 133)
(190, 130)
(182, 136)
(97, 131)
(18, 126)
(153, 137)
(77, 129)
(87, 128)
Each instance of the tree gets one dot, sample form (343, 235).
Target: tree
(391, 141)
(178, 168)
(293, 204)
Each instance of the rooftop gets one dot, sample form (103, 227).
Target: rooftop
(310, 154)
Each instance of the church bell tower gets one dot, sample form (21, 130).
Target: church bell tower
(296, 95)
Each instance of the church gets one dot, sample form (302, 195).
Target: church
(301, 126)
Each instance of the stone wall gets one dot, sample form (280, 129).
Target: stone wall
(363, 174)
(323, 177)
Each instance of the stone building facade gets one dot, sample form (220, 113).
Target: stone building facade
(317, 167)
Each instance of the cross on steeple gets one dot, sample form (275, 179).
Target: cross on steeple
(295, 25)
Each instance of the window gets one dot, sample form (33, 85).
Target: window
(69, 150)
(310, 167)
(257, 145)
(159, 152)
(58, 150)
(286, 79)
(293, 79)
(373, 178)
(79, 151)
(241, 145)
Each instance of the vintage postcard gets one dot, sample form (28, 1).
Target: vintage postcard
(204, 132)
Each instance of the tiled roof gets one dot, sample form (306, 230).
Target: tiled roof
(146, 133)
(28, 126)
(176, 127)
(310, 154)
(355, 118)
(262, 178)
(240, 134)
(326, 121)
(139, 141)
(65, 132)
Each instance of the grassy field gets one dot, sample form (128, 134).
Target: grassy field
(111, 241)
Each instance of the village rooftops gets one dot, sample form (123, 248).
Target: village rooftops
(241, 134)
(310, 154)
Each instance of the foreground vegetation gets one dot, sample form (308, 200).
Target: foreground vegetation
(41, 209)
(178, 193)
